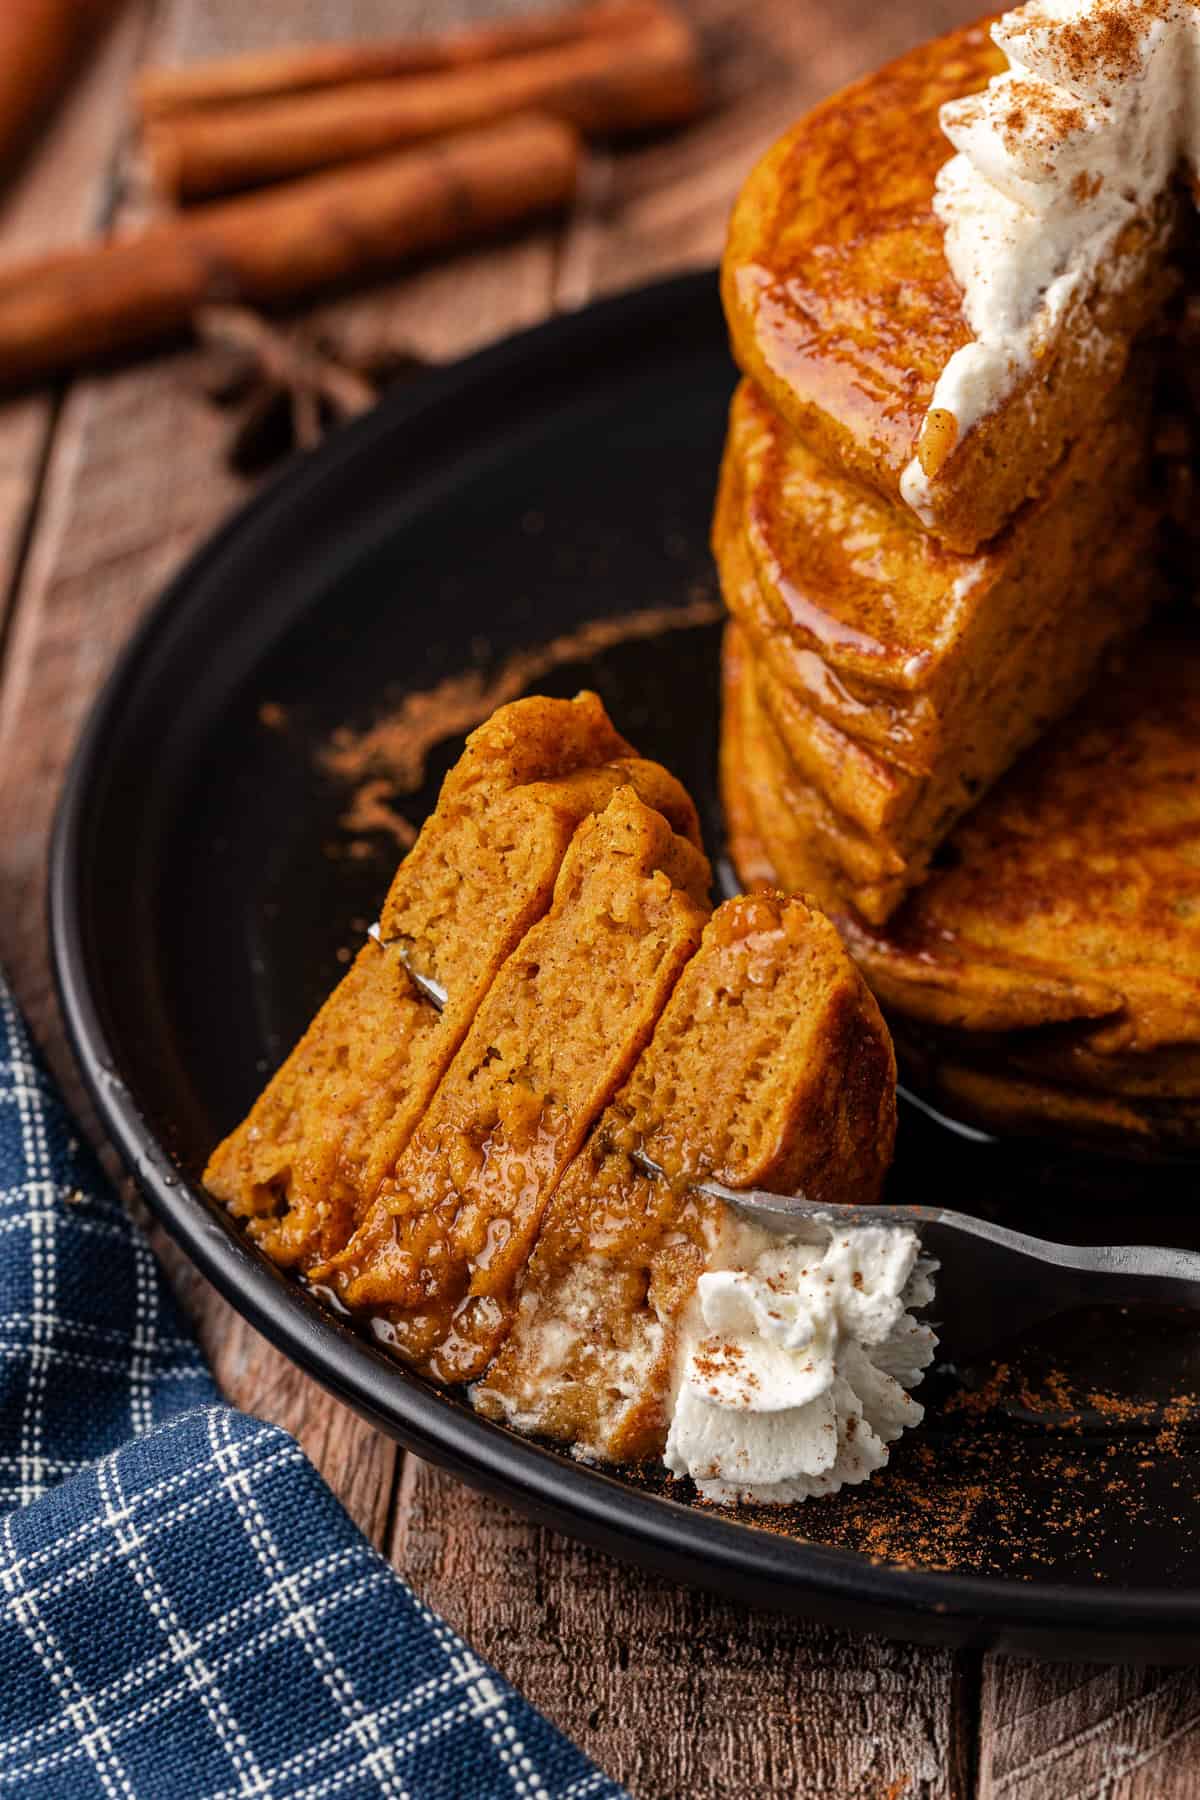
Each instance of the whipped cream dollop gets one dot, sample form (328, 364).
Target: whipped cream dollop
(1096, 112)
(796, 1358)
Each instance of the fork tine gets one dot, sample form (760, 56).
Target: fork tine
(431, 990)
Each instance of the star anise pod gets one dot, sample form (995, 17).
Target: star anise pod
(286, 386)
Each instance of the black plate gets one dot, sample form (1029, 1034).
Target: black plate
(204, 881)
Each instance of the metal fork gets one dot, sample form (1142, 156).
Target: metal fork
(992, 1282)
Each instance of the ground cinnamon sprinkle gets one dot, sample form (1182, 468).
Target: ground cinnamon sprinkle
(1107, 40)
(369, 810)
(1053, 1401)
(975, 1402)
(1116, 1406)
(1026, 1470)
(1036, 113)
(397, 746)
(1176, 1414)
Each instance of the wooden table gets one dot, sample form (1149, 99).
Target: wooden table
(104, 487)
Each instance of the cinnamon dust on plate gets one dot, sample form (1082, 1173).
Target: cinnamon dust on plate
(1015, 1470)
(389, 759)
(370, 810)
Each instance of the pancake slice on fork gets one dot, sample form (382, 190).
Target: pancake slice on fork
(770, 1067)
(304, 1165)
(435, 1262)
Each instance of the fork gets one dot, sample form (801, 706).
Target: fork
(992, 1282)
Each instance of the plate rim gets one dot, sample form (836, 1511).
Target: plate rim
(691, 1544)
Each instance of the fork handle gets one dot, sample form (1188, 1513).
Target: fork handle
(996, 1283)
(1143, 1272)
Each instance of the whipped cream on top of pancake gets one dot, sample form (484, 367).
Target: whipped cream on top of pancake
(796, 1359)
(1086, 128)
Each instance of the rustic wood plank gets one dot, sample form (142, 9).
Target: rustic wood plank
(61, 195)
(1074, 1733)
(664, 206)
(678, 1694)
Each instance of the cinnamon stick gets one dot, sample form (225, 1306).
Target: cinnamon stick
(39, 42)
(625, 82)
(63, 309)
(298, 68)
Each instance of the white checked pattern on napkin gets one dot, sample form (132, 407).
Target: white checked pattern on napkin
(185, 1610)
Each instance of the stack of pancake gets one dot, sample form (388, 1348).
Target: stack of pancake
(898, 650)
(455, 1172)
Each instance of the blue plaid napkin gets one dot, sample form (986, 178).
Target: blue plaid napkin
(185, 1609)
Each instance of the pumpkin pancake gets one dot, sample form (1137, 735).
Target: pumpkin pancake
(844, 310)
(899, 727)
(770, 828)
(1047, 973)
(989, 649)
(1002, 1101)
(435, 1261)
(1079, 869)
(770, 1067)
(906, 818)
(884, 604)
(747, 852)
(303, 1166)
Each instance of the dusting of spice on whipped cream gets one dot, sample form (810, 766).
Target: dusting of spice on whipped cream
(796, 1360)
(1076, 140)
